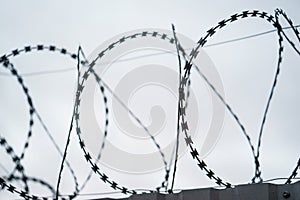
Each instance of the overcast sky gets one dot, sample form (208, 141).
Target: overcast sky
(245, 69)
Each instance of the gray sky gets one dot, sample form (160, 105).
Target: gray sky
(246, 69)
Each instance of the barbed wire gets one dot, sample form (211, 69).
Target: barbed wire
(33, 111)
(182, 122)
(202, 41)
(153, 54)
(7, 63)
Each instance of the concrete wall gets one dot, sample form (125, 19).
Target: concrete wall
(242, 192)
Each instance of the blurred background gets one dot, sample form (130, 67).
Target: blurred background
(246, 69)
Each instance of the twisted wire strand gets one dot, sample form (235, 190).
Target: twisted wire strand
(7, 64)
(280, 51)
(94, 166)
(195, 155)
(178, 110)
(102, 89)
(294, 173)
(257, 175)
(184, 87)
(69, 134)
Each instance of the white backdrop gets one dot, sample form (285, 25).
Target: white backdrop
(246, 69)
